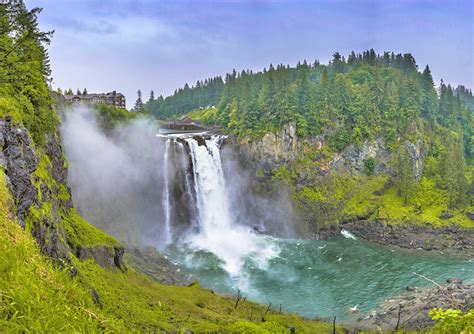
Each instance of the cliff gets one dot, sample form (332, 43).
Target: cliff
(362, 182)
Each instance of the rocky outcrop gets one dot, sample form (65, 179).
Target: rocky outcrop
(153, 264)
(273, 149)
(414, 237)
(353, 159)
(105, 256)
(276, 149)
(18, 159)
(58, 170)
(416, 155)
(415, 304)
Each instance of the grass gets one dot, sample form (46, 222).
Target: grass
(80, 233)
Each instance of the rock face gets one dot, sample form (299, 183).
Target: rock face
(414, 306)
(416, 155)
(353, 158)
(20, 161)
(18, 158)
(104, 256)
(151, 263)
(273, 149)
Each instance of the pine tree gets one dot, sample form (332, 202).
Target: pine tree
(84, 92)
(139, 107)
(152, 97)
(452, 171)
(429, 94)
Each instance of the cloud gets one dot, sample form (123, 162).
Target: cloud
(126, 45)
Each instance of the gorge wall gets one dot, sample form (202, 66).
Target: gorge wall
(327, 186)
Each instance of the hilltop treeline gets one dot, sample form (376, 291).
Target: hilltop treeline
(361, 97)
(204, 93)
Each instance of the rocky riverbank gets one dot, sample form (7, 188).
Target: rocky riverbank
(410, 309)
(446, 239)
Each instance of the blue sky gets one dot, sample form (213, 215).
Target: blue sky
(129, 44)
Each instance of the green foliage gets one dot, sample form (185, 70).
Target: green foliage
(204, 94)
(452, 321)
(24, 67)
(369, 166)
(108, 117)
(365, 97)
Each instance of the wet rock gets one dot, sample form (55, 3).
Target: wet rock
(429, 238)
(411, 288)
(19, 160)
(153, 264)
(58, 170)
(200, 140)
(415, 307)
(454, 281)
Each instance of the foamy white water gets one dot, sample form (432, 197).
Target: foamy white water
(348, 235)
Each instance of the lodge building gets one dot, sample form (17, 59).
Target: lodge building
(112, 98)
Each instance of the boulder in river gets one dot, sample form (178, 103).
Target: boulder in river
(454, 281)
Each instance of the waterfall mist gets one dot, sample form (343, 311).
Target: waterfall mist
(266, 213)
(116, 180)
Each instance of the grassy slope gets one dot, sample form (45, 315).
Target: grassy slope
(36, 296)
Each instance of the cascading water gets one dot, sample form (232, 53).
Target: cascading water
(166, 193)
(218, 233)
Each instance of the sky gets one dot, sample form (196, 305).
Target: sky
(126, 45)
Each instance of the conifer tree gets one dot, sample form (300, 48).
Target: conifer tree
(452, 171)
(429, 94)
(152, 97)
(139, 107)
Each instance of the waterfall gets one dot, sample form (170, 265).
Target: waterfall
(218, 233)
(211, 197)
(203, 189)
(166, 193)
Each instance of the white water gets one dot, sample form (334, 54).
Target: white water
(217, 231)
(347, 234)
(166, 193)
